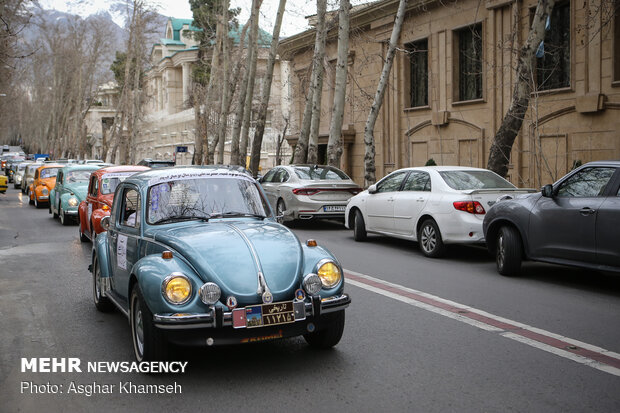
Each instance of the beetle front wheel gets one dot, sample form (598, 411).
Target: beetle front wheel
(148, 342)
(329, 336)
(102, 303)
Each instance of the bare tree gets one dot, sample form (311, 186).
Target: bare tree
(499, 154)
(318, 72)
(235, 157)
(369, 138)
(303, 143)
(334, 143)
(266, 92)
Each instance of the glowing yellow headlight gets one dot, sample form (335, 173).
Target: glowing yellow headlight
(329, 273)
(177, 289)
(72, 202)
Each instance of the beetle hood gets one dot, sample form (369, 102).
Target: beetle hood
(78, 188)
(231, 252)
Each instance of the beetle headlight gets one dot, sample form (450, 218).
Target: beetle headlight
(44, 191)
(176, 288)
(329, 273)
(312, 284)
(210, 293)
(72, 201)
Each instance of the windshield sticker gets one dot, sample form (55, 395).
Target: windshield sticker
(121, 252)
(181, 176)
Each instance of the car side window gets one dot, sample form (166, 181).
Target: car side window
(36, 174)
(269, 176)
(391, 183)
(130, 208)
(418, 181)
(59, 179)
(91, 186)
(282, 176)
(590, 182)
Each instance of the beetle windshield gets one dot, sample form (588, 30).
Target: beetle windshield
(464, 180)
(49, 172)
(216, 196)
(77, 176)
(110, 181)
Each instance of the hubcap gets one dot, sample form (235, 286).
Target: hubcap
(280, 208)
(97, 284)
(429, 238)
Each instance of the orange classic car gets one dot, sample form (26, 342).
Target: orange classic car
(100, 196)
(44, 182)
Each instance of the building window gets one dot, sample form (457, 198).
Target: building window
(418, 72)
(553, 55)
(469, 62)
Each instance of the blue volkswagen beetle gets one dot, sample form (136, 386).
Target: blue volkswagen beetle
(195, 256)
(70, 189)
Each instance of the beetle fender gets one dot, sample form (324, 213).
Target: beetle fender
(150, 273)
(100, 250)
(96, 217)
(82, 213)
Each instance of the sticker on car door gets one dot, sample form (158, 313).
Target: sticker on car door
(121, 252)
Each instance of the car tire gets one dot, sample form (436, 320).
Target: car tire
(63, 218)
(49, 209)
(280, 208)
(429, 239)
(102, 304)
(329, 336)
(359, 227)
(36, 202)
(148, 342)
(508, 251)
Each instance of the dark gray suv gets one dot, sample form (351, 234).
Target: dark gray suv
(575, 221)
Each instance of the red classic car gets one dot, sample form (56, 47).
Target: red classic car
(100, 196)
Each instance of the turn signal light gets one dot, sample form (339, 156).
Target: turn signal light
(473, 207)
(105, 208)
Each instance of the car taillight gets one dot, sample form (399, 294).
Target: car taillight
(473, 207)
(305, 191)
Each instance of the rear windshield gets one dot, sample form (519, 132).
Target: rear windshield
(110, 181)
(463, 180)
(319, 172)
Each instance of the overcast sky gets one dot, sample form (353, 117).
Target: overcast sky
(294, 19)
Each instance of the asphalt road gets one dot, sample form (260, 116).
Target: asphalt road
(396, 354)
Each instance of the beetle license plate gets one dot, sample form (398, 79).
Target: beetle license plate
(334, 208)
(270, 314)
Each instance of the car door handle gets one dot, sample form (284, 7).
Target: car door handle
(587, 211)
(420, 200)
(390, 199)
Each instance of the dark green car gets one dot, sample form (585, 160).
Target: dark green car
(70, 190)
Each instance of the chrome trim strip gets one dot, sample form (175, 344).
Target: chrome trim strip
(208, 318)
(335, 303)
(262, 283)
(116, 303)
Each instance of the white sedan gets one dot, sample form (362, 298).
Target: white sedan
(434, 205)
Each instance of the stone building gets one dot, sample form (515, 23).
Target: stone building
(100, 117)
(169, 125)
(452, 82)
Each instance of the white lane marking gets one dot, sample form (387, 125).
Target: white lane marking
(455, 316)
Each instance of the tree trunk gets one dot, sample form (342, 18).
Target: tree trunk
(369, 138)
(317, 94)
(334, 143)
(243, 90)
(249, 97)
(300, 155)
(266, 93)
(499, 154)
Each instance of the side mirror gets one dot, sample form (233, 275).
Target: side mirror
(372, 189)
(547, 191)
(105, 223)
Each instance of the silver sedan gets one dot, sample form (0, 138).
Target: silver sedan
(304, 192)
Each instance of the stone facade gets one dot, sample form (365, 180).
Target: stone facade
(170, 122)
(451, 117)
(100, 117)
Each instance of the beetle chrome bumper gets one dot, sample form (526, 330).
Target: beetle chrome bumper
(218, 318)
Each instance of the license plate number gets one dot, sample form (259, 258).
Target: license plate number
(334, 208)
(270, 314)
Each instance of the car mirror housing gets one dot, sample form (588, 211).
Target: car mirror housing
(547, 191)
(105, 223)
(372, 189)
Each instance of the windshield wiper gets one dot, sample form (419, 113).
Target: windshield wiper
(175, 218)
(229, 214)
